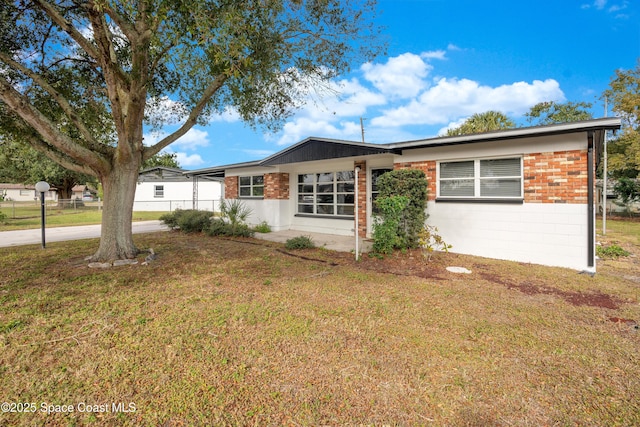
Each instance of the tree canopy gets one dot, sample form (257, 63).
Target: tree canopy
(624, 150)
(80, 80)
(551, 112)
(483, 122)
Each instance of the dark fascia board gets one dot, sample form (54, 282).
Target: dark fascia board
(612, 123)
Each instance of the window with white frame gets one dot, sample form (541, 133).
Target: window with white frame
(158, 191)
(251, 186)
(481, 178)
(327, 194)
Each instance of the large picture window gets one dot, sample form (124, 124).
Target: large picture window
(327, 194)
(251, 186)
(482, 178)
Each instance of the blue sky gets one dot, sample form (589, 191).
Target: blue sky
(446, 60)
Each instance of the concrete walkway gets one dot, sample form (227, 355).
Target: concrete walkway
(328, 241)
(59, 234)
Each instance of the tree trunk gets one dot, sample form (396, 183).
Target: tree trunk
(116, 239)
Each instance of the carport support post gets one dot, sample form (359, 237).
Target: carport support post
(357, 228)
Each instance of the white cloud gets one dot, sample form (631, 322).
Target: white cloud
(450, 99)
(193, 139)
(401, 76)
(229, 115)
(434, 54)
(188, 160)
(304, 127)
(258, 153)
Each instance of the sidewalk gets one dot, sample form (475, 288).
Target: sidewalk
(59, 234)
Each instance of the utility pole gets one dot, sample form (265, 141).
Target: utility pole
(362, 119)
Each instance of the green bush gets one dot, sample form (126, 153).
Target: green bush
(611, 251)
(188, 220)
(385, 227)
(401, 204)
(218, 227)
(234, 211)
(300, 242)
(3, 217)
(263, 227)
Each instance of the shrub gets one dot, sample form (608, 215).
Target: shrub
(263, 227)
(3, 217)
(300, 242)
(234, 211)
(430, 241)
(218, 227)
(386, 226)
(188, 220)
(401, 204)
(611, 251)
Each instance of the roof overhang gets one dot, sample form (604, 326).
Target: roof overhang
(607, 123)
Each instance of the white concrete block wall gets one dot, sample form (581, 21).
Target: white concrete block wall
(540, 233)
(177, 195)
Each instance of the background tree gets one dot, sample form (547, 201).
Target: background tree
(483, 122)
(168, 160)
(21, 164)
(551, 112)
(65, 63)
(624, 150)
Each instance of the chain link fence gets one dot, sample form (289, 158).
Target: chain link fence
(31, 209)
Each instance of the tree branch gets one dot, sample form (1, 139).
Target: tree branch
(55, 95)
(215, 85)
(67, 27)
(54, 155)
(48, 130)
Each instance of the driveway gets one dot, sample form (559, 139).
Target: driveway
(59, 234)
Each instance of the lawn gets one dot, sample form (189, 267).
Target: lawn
(25, 216)
(242, 332)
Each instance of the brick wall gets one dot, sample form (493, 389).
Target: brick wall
(556, 177)
(362, 197)
(276, 186)
(429, 169)
(230, 187)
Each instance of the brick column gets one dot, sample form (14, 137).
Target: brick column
(231, 187)
(556, 177)
(429, 169)
(276, 186)
(362, 197)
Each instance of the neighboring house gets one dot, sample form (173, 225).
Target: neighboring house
(83, 192)
(167, 189)
(614, 202)
(523, 194)
(24, 193)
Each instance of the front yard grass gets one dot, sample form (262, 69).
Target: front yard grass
(241, 332)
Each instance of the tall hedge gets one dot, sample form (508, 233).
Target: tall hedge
(412, 184)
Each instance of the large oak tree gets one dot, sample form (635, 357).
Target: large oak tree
(65, 63)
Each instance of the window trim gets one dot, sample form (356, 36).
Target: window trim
(251, 186)
(158, 194)
(335, 193)
(477, 179)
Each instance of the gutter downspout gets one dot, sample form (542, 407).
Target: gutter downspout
(591, 212)
(356, 212)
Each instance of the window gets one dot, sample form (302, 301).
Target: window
(251, 186)
(158, 191)
(375, 174)
(488, 178)
(26, 192)
(327, 193)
